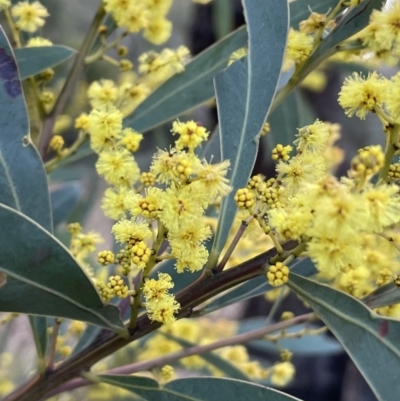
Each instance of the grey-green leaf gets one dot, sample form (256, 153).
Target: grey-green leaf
(23, 181)
(373, 342)
(39, 327)
(188, 89)
(385, 295)
(244, 93)
(226, 367)
(353, 21)
(283, 122)
(33, 60)
(64, 198)
(43, 278)
(196, 389)
(257, 286)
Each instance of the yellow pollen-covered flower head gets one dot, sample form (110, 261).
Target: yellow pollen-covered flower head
(360, 95)
(191, 134)
(104, 126)
(118, 167)
(29, 16)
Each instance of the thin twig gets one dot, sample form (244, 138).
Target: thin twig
(243, 225)
(185, 352)
(70, 82)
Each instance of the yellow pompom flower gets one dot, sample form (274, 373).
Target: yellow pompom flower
(4, 4)
(383, 206)
(158, 30)
(134, 19)
(154, 290)
(179, 205)
(29, 16)
(303, 168)
(102, 93)
(56, 143)
(164, 310)
(360, 95)
(312, 138)
(84, 244)
(191, 134)
(131, 139)
(174, 166)
(332, 254)
(342, 216)
(290, 224)
(113, 202)
(159, 7)
(148, 206)
(167, 373)
(313, 23)
(299, 47)
(131, 231)
(82, 122)
(38, 42)
(105, 127)
(282, 373)
(160, 305)
(383, 33)
(187, 244)
(392, 98)
(118, 167)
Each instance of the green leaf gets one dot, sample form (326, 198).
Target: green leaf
(23, 181)
(353, 21)
(43, 278)
(212, 358)
(196, 389)
(257, 286)
(373, 342)
(301, 9)
(307, 344)
(40, 337)
(64, 198)
(283, 122)
(188, 89)
(244, 93)
(385, 295)
(33, 60)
